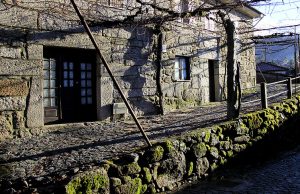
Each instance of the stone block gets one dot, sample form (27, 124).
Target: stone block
(5, 127)
(13, 87)
(20, 67)
(35, 51)
(12, 103)
(35, 109)
(10, 52)
(19, 17)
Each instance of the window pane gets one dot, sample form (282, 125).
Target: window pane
(65, 83)
(46, 64)
(52, 74)
(52, 64)
(52, 92)
(82, 66)
(89, 75)
(83, 92)
(71, 83)
(46, 102)
(71, 74)
(176, 63)
(46, 83)
(89, 100)
(183, 63)
(89, 92)
(46, 93)
(88, 66)
(176, 74)
(184, 74)
(89, 83)
(83, 100)
(46, 74)
(82, 83)
(71, 66)
(65, 75)
(82, 75)
(52, 83)
(53, 102)
(65, 65)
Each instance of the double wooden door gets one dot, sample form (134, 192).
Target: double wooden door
(69, 95)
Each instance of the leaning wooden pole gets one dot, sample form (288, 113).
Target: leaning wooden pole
(87, 29)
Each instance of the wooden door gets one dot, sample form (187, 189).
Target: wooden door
(76, 83)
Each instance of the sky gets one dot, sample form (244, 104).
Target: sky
(278, 13)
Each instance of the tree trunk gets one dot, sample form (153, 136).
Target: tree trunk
(232, 83)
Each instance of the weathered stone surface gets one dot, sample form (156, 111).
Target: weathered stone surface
(93, 181)
(19, 17)
(35, 51)
(20, 67)
(12, 103)
(18, 120)
(242, 139)
(13, 87)
(130, 169)
(202, 165)
(214, 152)
(199, 150)
(35, 110)
(154, 154)
(10, 52)
(5, 127)
(214, 139)
(132, 186)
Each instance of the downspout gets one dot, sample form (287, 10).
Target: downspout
(159, 34)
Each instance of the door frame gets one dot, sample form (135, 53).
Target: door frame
(61, 53)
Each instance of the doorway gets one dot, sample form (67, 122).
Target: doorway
(69, 85)
(212, 64)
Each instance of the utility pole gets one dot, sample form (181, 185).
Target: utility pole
(88, 31)
(295, 50)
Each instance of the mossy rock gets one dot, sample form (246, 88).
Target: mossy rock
(115, 181)
(154, 154)
(130, 169)
(168, 146)
(199, 150)
(132, 187)
(214, 152)
(202, 165)
(252, 120)
(96, 181)
(147, 175)
(190, 168)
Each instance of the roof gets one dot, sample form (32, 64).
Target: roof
(245, 9)
(270, 67)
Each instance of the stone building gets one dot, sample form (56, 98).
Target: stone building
(49, 70)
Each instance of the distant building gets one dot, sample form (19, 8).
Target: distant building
(271, 72)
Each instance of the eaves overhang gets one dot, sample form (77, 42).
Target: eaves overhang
(245, 9)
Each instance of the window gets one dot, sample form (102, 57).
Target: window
(113, 3)
(86, 83)
(209, 23)
(50, 89)
(182, 68)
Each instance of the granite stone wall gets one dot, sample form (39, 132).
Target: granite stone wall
(131, 52)
(192, 156)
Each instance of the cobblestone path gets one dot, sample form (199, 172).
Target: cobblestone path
(281, 175)
(74, 147)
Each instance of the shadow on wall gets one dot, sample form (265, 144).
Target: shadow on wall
(140, 75)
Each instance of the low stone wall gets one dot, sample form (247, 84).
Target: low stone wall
(191, 156)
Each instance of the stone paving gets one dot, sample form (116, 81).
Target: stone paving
(75, 147)
(280, 175)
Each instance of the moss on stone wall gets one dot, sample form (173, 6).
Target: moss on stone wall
(194, 154)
